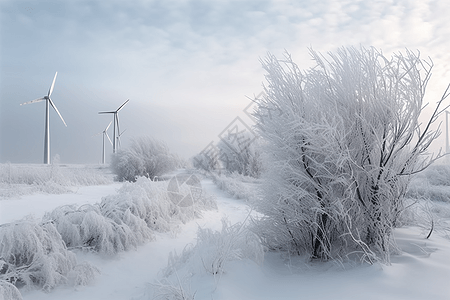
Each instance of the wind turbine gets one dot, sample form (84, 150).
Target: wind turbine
(47, 119)
(105, 133)
(119, 134)
(115, 120)
(447, 145)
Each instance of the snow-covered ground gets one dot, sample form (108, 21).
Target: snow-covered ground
(421, 271)
(36, 205)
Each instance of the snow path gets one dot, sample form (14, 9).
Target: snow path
(127, 275)
(422, 271)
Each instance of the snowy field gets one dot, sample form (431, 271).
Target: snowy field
(176, 264)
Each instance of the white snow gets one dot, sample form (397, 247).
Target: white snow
(421, 271)
(36, 205)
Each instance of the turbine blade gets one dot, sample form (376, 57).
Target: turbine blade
(122, 105)
(108, 126)
(52, 86)
(106, 112)
(33, 101)
(122, 132)
(108, 138)
(53, 105)
(117, 122)
(97, 134)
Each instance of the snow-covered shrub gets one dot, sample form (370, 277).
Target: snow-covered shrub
(423, 189)
(239, 152)
(233, 242)
(91, 228)
(82, 274)
(34, 254)
(166, 290)
(438, 174)
(124, 220)
(9, 291)
(211, 253)
(129, 211)
(342, 140)
(215, 248)
(207, 161)
(431, 216)
(145, 157)
(238, 186)
(432, 184)
(150, 201)
(153, 203)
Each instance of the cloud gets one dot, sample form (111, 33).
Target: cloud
(180, 62)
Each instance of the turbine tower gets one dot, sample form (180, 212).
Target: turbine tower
(119, 134)
(105, 133)
(116, 121)
(48, 101)
(447, 145)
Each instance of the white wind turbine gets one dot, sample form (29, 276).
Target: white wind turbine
(116, 121)
(119, 134)
(47, 119)
(105, 133)
(447, 145)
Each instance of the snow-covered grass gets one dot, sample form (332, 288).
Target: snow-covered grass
(149, 271)
(36, 253)
(237, 185)
(214, 249)
(24, 179)
(125, 220)
(32, 254)
(9, 291)
(210, 256)
(432, 184)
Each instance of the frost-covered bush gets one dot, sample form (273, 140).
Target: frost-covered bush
(131, 213)
(125, 220)
(150, 200)
(34, 254)
(240, 153)
(438, 174)
(145, 157)
(82, 274)
(207, 161)
(9, 291)
(166, 290)
(238, 186)
(432, 184)
(215, 248)
(431, 216)
(88, 228)
(342, 140)
(424, 190)
(234, 242)
(210, 255)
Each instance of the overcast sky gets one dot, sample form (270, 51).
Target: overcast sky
(186, 66)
